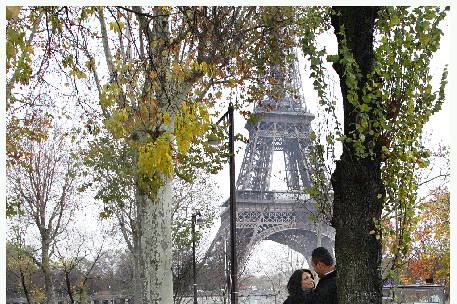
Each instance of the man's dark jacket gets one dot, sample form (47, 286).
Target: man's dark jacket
(325, 291)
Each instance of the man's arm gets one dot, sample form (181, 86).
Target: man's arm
(323, 294)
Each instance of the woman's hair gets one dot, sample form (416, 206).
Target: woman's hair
(294, 284)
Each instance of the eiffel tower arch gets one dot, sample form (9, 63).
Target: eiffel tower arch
(286, 217)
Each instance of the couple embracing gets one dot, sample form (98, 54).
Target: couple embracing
(301, 286)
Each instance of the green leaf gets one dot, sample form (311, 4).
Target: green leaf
(333, 58)
(394, 21)
(312, 136)
(364, 107)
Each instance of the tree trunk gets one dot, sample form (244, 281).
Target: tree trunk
(24, 286)
(356, 182)
(83, 294)
(69, 289)
(155, 248)
(46, 269)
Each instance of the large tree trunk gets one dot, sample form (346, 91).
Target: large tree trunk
(155, 248)
(356, 182)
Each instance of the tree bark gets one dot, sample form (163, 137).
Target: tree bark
(155, 248)
(68, 285)
(46, 269)
(356, 182)
(24, 286)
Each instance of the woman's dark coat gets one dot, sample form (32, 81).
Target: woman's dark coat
(297, 298)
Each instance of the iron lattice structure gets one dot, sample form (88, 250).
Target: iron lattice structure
(285, 217)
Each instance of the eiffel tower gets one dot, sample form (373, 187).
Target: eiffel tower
(285, 217)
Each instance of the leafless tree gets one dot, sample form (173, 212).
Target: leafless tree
(77, 267)
(437, 173)
(43, 185)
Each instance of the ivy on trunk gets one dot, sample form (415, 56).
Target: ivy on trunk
(356, 181)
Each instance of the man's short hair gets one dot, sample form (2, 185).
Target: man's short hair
(321, 254)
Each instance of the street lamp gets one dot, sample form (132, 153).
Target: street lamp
(194, 222)
(233, 262)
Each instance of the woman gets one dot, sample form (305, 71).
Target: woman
(300, 283)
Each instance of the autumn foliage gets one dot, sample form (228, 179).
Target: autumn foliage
(429, 256)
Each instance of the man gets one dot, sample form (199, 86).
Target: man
(324, 266)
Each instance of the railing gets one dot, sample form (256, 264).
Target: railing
(243, 298)
(269, 197)
(413, 294)
(254, 196)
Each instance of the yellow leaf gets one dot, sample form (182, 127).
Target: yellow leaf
(204, 67)
(12, 12)
(116, 26)
(166, 118)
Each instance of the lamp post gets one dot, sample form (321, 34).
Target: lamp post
(233, 261)
(194, 220)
